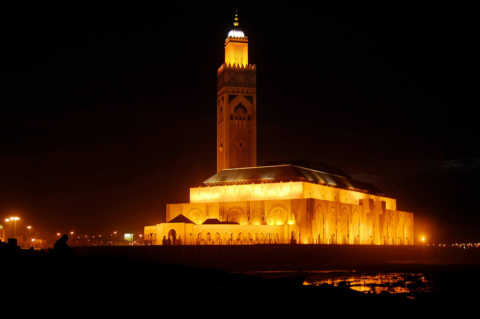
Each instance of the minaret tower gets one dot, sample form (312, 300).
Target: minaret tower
(236, 105)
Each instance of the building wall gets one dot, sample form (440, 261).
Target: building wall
(317, 214)
(288, 190)
(223, 234)
(236, 117)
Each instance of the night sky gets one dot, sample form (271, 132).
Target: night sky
(108, 108)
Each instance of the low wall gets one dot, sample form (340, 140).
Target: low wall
(289, 257)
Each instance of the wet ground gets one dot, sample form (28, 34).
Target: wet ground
(428, 283)
(102, 279)
(411, 285)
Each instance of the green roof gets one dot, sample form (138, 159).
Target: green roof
(330, 176)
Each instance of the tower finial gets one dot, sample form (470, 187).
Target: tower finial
(235, 21)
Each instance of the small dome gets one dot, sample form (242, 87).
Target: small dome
(236, 34)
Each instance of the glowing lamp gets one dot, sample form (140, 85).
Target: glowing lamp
(128, 237)
(236, 34)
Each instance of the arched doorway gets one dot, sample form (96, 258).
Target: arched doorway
(200, 239)
(172, 236)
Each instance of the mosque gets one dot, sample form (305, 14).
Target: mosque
(287, 202)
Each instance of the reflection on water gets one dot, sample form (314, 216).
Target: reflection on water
(411, 285)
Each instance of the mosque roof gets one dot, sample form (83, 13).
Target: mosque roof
(317, 173)
(180, 219)
(318, 166)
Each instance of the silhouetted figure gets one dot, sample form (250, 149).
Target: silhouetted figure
(61, 248)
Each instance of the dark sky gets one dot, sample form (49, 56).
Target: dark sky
(108, 108)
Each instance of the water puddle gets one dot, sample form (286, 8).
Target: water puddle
(412, 285)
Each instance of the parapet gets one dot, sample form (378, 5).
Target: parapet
(236, 66)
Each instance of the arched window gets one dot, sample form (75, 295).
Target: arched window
(240, 113)
(240, 117)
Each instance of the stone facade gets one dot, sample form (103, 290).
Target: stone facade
(236, 117)
(299, 212)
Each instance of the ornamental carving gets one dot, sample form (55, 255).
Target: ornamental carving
(277, 215)
(196, 216)
(237, 215)
(237, 78)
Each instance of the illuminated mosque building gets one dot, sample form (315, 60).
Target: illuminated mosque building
(279, 203)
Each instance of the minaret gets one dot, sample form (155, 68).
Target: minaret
(236, 105)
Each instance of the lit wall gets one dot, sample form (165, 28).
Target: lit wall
(320, 215)
(318, 221)
(236, 51)
(189, 234)
(289, 190)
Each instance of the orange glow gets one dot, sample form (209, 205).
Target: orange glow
(279, 191)
(236, 51)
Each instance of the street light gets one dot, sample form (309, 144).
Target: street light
(15, 219)
(8, 220)
(29, 227)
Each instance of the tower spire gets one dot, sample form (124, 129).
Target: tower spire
(235, 21)
(236, 104)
